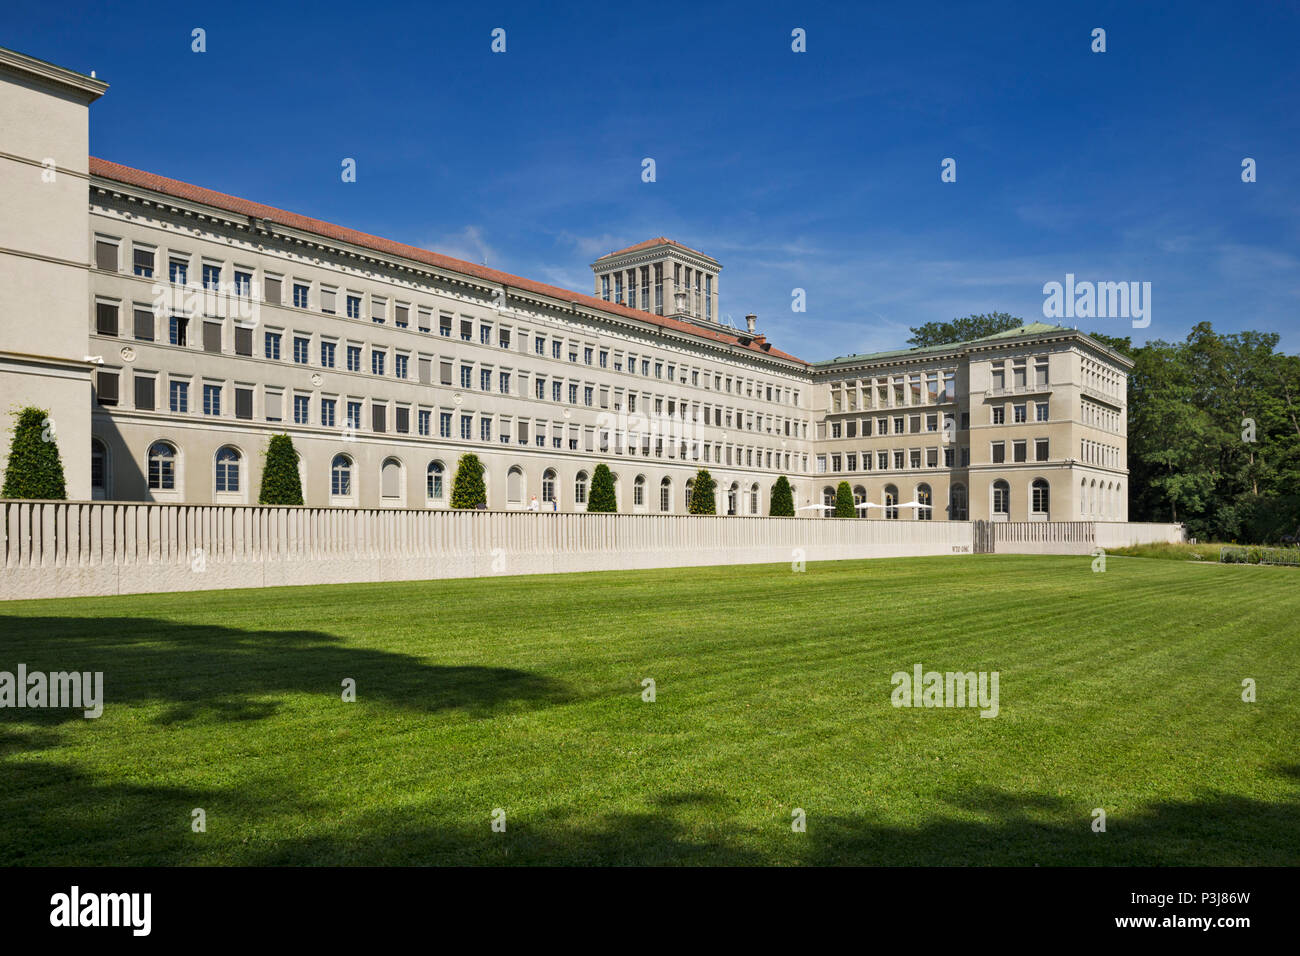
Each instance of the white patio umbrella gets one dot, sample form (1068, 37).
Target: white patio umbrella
(868, 504)
(813, 508)
(913, 504)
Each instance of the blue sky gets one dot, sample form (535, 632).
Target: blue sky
(818, 170)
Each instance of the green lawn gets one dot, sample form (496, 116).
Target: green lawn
(1119, 690)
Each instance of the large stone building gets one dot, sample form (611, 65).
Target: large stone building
(171, 330)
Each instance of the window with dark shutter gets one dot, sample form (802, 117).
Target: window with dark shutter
(401, 316)
(212, 336)
(144, 325)
(379, 417)
(144, 385)
(243, 403)
(105, 318)
(143, 261)
(272, 290)
(106, 387)
(446, 373)
(106, 256)
(402, 420)
(243, 341)
(426, 371)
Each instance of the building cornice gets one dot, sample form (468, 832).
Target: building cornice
(86, 87)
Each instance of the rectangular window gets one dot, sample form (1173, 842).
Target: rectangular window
(144, 389)
(401, 316)
(178, 271)
(106, 259)
(354, 306)
(212, 337)
(328, 407)
(424, 422)
(243, 283)
(105, 318)
(1040, 449)
(142, 262)
(354, 358)
(299, 295)
(327, 354)
(466, 427)
(211, 277)
(444, 424)
(271, 289)
(999, 452)
(377, 362)
(354, 416)
(400, 365)
(402, 420)
(301, 409)
(273, 345)
(177, 328)
(1040, 412)
(178, 397)
(327, 297)
(211, 399)
(243, 341)
(301, 348)
(444, 325)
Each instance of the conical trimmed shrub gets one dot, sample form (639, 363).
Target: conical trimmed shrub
(468, 490)
(844, 506)
(703, 494)
(34, 469)
(602, 497)
(782, 504)
(281, 483)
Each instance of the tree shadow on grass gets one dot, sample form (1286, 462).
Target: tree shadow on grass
(52, 814)
(219, 674)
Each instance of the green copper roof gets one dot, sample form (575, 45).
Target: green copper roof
(1029, 328)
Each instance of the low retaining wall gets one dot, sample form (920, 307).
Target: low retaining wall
(1076, 537)
(71, 549)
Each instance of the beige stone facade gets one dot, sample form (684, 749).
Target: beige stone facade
(207, 323)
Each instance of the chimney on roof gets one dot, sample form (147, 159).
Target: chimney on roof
(751, 322)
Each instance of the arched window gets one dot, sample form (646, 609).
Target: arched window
(98, 469)
(1001, 498)
(690, 486)
(390, 475)
(341, 476)
(890, 500)
(923, 497)
(162, 466)
(638, 492)
(828, 501)
(957, 503)
(1119, 502)
(732, 494)
(548, 485)
(1083, 497)
(859, 495)
(515, 484)
(753, 498)
(665, 495)
(1039, 497)
(433, 481)
(580, 489)
(227, 469)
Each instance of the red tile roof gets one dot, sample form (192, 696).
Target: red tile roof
(208, 197)
(650, 244)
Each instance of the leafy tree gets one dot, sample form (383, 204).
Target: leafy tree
(601, 497)
(963, 330)
(703, 492)
(281, 483)
(782, 503)
(468, 490)
(34, 469)
(844, 505)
